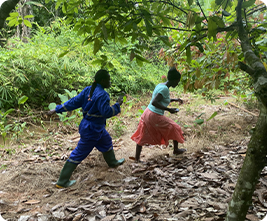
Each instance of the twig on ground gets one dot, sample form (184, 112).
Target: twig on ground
(242, 109)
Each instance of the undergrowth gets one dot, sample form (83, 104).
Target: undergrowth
(53, 61)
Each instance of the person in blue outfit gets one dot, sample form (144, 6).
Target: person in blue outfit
(95, 104)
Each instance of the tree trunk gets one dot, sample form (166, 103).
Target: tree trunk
(23, 32)
(255, 159)
(250, 173)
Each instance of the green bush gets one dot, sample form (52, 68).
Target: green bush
(53, 61)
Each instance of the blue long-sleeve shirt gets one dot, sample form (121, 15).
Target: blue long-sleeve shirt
(95, 111)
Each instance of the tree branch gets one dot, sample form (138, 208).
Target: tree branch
(259, 9)
(225, 5)
(169, 3)
(178, 29)
(245, 68)
(202, 10)
(253, 61)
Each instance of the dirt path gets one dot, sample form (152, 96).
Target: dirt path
(195, 186)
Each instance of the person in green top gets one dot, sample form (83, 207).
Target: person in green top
(155, 128)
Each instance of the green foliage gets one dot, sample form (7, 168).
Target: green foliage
(200, 121)
(141, 111)
(65, 117)
(118, 127)
(41, 69)
(3, 166)
(18, 126)
(4, 126)
(98, 22)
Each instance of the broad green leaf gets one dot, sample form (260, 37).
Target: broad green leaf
(104, 29)
(199, 121)
(97, 45)
(14, 14)
(10, 18)
(28, 16)
(13, 22)
(190, 2)
(141, 58)
(185, 45)
(122, 40)
(165, 20)
(34, 3)
(165, 40)
(225, 13)
(7, 112)
(27, 23)
(71, 117)
(213, 115)
(52, 106)
(188, 55)
(218, 2)
(64, 7)
(218, 21)
(139, 62)
(63, 54)
(247, 4)
(212, 28)
(144, 2)
(104, 57)
(132, 55)
(148, 27)
(190, 20)
(22, 100)
(20, 20)
(97, 62)
(63, 98)
(58, 3)
(3, 135)
(110, 65)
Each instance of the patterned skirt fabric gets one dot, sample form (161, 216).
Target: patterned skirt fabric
(156, 129)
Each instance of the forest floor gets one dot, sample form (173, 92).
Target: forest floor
(194, 186)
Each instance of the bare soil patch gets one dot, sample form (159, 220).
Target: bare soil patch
(195, 186)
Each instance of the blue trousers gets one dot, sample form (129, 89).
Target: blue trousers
(102, 141)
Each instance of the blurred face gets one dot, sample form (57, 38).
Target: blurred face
(106, 82)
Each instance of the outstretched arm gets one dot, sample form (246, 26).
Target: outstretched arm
(72, 104)
(177, 100)
(156, 103)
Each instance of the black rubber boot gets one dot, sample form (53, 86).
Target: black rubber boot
(65, 174)
(110, 158)
(176, 150)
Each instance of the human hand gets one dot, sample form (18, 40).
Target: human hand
(51, 112)
(120, 100)
(173, 110)
(178, 100)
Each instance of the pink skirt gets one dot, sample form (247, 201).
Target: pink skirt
(156, 129)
